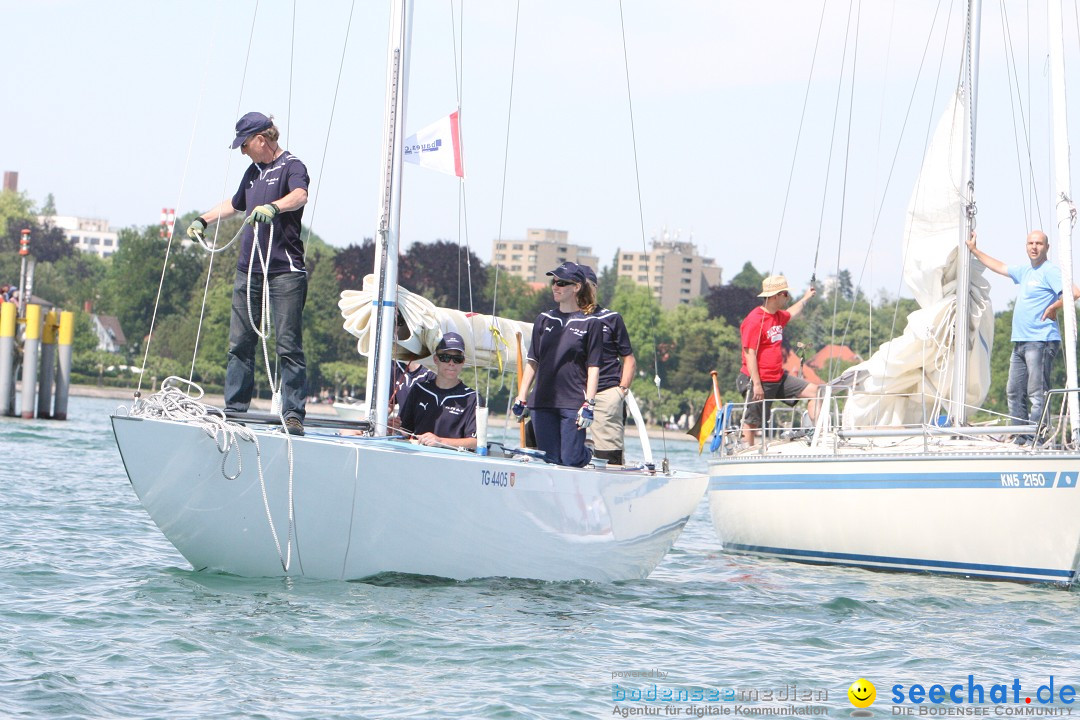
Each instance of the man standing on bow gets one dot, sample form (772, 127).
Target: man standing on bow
(273, 191)
(763, 377)
(1035, 335)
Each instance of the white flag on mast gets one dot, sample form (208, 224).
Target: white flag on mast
(438, 146)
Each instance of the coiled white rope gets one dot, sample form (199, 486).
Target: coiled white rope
(172, 403)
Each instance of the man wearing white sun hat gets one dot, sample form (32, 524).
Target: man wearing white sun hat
(762, 377)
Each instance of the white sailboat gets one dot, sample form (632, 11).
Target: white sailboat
(255, 502)
(881, 483)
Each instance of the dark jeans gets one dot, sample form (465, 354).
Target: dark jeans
(558, 435)
(288, 292)
(1029, 378)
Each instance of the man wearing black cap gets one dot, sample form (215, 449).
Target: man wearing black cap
(442, 410)
(273, 191)
(617, 368)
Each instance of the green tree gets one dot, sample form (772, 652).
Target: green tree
(85, 338)
(516, 299)
(47, 244)
(606, 281)
(130, 289)
(72, 281)
(642, 315)
(347, 378)
(49, 208)
(325, 340)
(443, 272)
(748, 278)
(14, 206)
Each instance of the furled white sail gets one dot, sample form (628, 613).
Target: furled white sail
(901, 382)
(490, 341)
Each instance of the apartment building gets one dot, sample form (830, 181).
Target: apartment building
(87, 234)
(672, 269)
(540, 251)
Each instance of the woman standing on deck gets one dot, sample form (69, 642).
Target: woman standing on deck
(564, 360)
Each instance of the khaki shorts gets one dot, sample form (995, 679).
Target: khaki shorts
(610, 420)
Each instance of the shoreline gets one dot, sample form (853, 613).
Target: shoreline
(327, 411)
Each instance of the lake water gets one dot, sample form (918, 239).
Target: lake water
(102, 618)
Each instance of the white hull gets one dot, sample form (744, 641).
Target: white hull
(1002, 514)
(364, 506)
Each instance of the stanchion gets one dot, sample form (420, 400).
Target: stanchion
(63, 365)
(48, 363)
(31, 340)
(7, 358)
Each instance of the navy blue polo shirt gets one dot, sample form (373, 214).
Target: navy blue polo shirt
(267, 183)
(404, 379)
(449, 413)
(616, 345)
(564, 345)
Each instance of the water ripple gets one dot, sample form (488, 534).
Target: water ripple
(103, 619)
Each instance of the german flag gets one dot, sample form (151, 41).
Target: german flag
(706, 424)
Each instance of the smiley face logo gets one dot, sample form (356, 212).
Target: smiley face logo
(862, 693)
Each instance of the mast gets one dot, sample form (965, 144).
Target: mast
(962, 337)
(380, 362)
(1066, 212)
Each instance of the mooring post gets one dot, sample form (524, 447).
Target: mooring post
(7, 358)
(31, 340)
(63, 365)
(48, 364)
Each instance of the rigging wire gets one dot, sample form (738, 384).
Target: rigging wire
(832, 140)
(457, 94)
(926, 145)
(641, 218)
(463, 215)
(180, 196)
(330, 124)
(506, 162)
(224, 194)
(292, 60)
(893, 163)
(1010, 71)
(843, 184)
(798, 136)
(877, 175)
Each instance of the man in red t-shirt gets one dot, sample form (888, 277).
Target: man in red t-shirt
(763, 377)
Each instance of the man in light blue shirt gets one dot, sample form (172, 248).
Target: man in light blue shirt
(1035, 335)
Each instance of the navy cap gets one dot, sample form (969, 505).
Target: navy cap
(569, 271)
(253, 122)
(588, 273)
(451, 341)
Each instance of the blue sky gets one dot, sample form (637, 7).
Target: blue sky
(121, 108)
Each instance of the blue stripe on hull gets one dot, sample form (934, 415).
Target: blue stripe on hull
(996, 480)
(998, 572)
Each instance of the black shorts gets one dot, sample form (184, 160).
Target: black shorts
(787, 389)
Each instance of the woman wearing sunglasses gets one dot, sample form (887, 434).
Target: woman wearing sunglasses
(564, 359)
(442, 410)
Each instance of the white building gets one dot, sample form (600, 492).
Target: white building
(86, 234)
